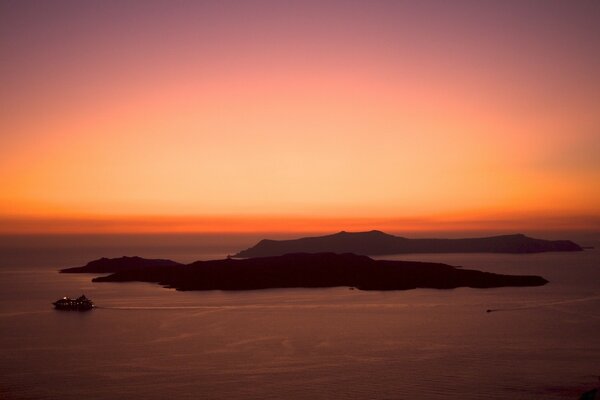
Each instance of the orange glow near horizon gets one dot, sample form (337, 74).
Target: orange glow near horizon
(293, 224)
(313, 118)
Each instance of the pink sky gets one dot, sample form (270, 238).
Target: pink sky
(240, 114)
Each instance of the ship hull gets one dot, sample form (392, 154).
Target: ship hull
(63, 307)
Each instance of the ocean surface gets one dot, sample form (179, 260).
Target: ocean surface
(148, 342)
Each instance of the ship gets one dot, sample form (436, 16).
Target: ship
(81, 303)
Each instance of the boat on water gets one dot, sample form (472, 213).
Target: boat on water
(81, 303)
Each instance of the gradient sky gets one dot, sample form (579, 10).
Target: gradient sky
(237, 115)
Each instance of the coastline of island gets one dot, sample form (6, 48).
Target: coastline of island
(299, 270)
(380, 243)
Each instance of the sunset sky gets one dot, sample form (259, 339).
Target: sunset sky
(299, 115)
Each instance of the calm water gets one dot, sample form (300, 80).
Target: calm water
(154, 343)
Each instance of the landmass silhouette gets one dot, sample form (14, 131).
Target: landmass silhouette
(106, 265)
(300, 270)
(380, 243)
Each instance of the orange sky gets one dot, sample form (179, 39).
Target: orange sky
(222, 116)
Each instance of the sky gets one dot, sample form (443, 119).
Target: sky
(303, 115)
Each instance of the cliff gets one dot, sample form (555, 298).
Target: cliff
(379, 243)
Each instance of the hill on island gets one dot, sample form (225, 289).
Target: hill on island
(302, 271)
(106, 265)
(380, 243)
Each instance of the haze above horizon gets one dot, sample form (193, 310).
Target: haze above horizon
(311, 116)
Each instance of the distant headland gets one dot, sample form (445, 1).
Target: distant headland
(380, 243)
(108, 265)
(299, 270)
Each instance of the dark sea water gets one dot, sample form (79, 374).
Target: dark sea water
(154, 343)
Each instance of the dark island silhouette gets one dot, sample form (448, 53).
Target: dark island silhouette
(380, 243)
(106, 265)
(300, 270)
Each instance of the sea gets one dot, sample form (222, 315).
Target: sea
(148, 342)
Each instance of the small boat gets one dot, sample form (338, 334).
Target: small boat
(81, 303)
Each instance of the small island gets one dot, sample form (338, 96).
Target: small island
(299, 270)
(380, 243)
(106, 265)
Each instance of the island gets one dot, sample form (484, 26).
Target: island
(300, 270)
(380, 243)
(105, 265)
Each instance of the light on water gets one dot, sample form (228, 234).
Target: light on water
(145, 341)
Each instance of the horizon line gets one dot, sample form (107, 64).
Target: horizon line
(105, 224)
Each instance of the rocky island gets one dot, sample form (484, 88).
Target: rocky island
(380, 243)
(300, 270)
(106, 265)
